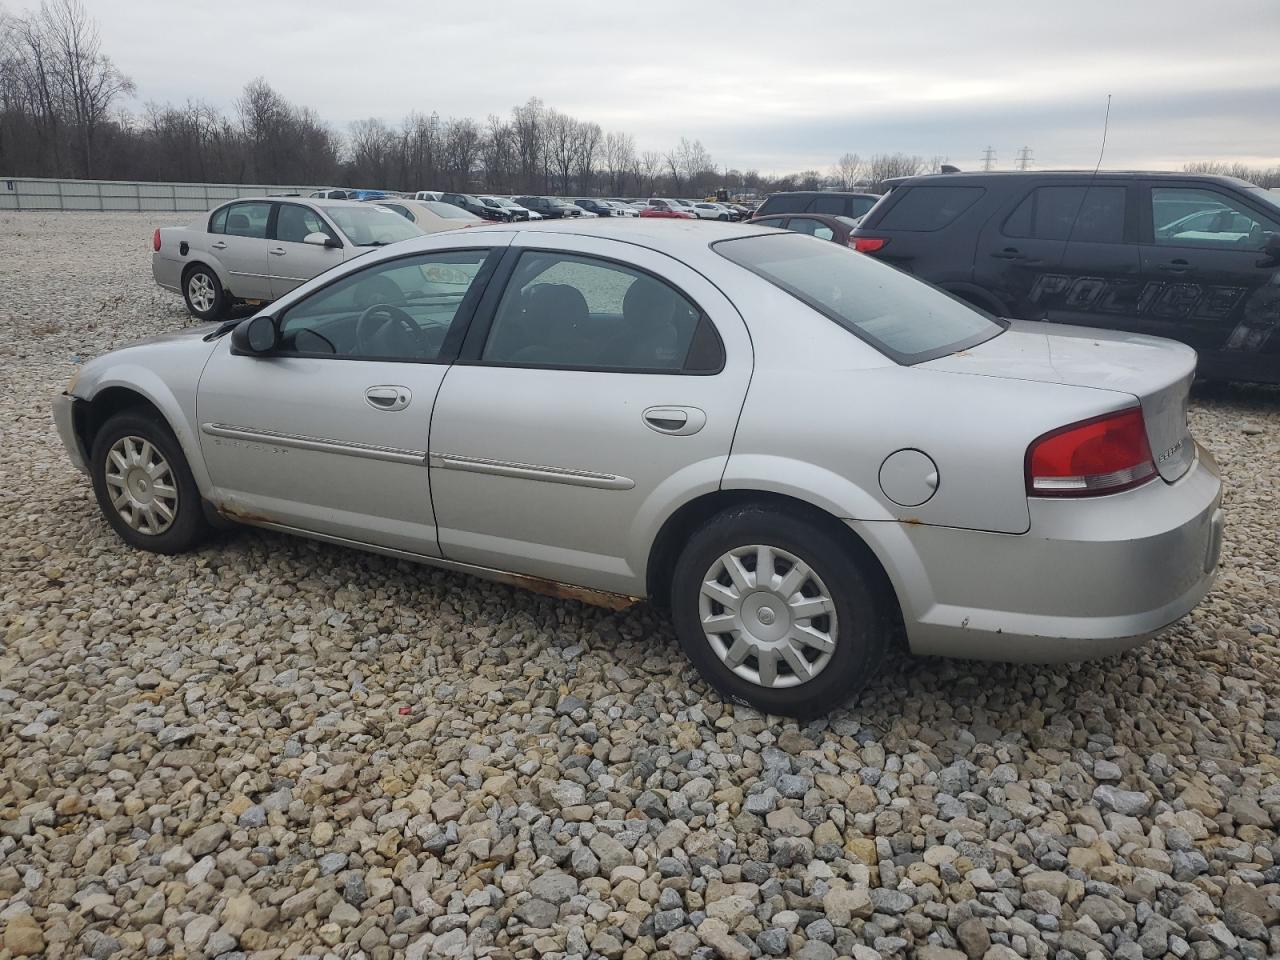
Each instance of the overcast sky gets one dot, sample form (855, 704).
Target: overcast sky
(778, 86)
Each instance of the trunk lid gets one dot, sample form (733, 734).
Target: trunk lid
(1157, 372)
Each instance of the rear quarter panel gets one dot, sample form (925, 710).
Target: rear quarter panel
(169, 262)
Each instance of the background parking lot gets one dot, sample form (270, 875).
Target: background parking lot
(272, 743)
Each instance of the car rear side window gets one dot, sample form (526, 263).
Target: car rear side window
(832, 205)
(569, 311)
(248, 220)
(929, 208)
(905, 319)
(1084, 213)
(785, 203)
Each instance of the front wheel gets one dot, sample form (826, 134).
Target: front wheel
(202, 290)
(777, 612)
(144, 486)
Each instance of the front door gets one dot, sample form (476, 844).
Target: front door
(330, 432)
(1208, 281)
(242, 249)
(291, 261)
(588, 393)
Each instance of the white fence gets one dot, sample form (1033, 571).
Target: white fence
(30, 193)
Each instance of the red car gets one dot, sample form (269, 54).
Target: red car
(666, 210)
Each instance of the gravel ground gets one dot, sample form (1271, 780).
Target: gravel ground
(273, 748)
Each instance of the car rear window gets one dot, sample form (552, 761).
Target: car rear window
(929, 208)
(907, 320)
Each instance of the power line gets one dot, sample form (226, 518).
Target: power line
(988, 159)
(1025, 159)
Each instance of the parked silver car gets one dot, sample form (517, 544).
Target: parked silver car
(798, 450)
(259, 249)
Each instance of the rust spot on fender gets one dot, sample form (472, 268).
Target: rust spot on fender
(232, 512)
(914, 521)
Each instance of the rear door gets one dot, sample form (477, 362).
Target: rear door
(1063, 251)
(291, 261)
(1207, 282)
(599, 391)
(242, 249)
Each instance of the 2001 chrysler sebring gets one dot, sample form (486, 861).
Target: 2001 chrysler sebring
(792, 446)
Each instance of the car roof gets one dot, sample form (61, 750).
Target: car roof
(821, 193)
(979, 177)
(678, 238)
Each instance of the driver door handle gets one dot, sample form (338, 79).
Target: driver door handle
(277, 251)
(676, 421)
(388, 397)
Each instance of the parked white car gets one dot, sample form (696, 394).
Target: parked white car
(798, 450)
(427, 195)
(259, 249)
(709, 211)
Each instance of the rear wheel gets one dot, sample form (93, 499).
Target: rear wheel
(144, 486)
(201, 289)
(776, 611)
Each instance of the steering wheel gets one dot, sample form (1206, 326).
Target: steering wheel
(374, 320)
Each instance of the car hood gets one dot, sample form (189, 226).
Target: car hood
(174, 336)
(1157, 372)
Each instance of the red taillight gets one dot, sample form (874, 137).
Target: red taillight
(1103, 455)
(155, 239)
(867, 244)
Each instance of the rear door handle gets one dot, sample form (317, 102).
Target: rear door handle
(1174, 266)
(388, 397)
(277, 251)
(676, 421)
(1008, 253)
(220, 245)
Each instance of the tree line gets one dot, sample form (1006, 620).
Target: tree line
(62, 115)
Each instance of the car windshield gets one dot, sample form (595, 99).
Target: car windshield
(448, 210)
(504, 202)
(371, 226)
(902, 317)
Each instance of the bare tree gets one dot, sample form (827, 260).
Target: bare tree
(461, 151)
(847, 171)
(497, 154)
(562, 134)
(648, 166)
(886, 166)
(88, 81)
(586, 151)
(619, 159)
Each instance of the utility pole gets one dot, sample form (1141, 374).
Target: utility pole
(988, 159)
(1024, 158)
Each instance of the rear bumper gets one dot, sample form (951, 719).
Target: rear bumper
(64, 420)
(1090, 578)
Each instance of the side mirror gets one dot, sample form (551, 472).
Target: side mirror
(320, 239)
(257, 335)
(1270, 251)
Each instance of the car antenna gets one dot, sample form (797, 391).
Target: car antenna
(1106, 123)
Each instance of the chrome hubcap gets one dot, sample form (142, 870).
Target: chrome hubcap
(200, 290)
(141, 485)
(768, 617)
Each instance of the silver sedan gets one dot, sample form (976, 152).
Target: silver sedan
(804, 454)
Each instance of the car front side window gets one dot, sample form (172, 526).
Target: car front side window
(294, 223)
(570, 311)
(400, 309)
(1189, 217)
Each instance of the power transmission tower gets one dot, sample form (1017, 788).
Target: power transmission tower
(1025, 159)
(988, 159)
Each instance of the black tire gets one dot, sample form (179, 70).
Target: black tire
(200, 274)
(188, 525)
(864, 629)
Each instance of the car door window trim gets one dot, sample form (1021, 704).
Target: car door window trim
(472, 350)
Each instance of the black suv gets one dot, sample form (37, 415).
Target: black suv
(852, 205)
(1190, 257)
(552, 207)
(472, 205)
